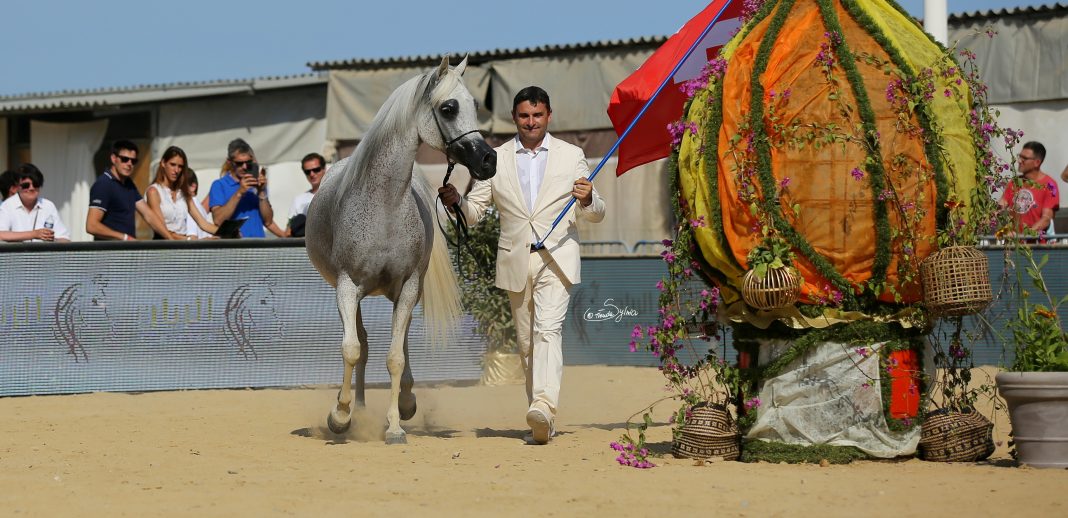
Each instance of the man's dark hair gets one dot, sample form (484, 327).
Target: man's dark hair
(534, 95)
(313, 156)
(30, 171)
(237, 146)
(120, 145)
(1038, 149)
(8, 179)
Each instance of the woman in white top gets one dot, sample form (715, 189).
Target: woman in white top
(170, 198)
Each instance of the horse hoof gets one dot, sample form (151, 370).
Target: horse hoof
(338, 422)
(407, 406)
(396, 438)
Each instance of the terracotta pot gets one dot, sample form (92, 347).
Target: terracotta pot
(1038, 409)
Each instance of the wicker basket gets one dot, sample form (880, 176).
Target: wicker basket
(779, 288)
(956, 281)
(709, 432)
(956, 437)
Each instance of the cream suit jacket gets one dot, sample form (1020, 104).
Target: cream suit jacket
(566, 163)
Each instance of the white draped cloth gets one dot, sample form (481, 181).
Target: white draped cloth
(64, 154)
(830, 395)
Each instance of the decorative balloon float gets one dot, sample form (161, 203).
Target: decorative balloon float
(829, 151)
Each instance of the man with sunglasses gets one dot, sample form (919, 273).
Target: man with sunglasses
(314, 167)
(28, 216)
(1034, 196)
(113, 199)
(241, 194)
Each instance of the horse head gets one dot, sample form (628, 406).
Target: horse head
(451, 121)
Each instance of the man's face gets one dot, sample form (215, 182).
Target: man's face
(531, 122)
(123, 162)
(313, 171)
(28, 192)
(1028, 161)
(240, 163)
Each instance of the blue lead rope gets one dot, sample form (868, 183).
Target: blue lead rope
(693, 46)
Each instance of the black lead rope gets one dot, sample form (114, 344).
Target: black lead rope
(459, 224)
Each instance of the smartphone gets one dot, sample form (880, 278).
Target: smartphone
(254, 169)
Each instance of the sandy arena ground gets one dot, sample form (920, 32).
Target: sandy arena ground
(267, 452)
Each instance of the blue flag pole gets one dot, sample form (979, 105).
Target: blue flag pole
(693, 46)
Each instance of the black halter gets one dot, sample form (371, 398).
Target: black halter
(458, 222)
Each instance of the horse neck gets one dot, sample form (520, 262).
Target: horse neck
(389, 166)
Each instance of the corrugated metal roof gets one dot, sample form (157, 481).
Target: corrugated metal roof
(67, 100)
(479, 57)
(972, 16)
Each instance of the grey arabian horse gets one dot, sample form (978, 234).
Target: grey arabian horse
(371, 229)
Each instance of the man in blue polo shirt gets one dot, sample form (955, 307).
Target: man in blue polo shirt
(113, 199)
(240, 194)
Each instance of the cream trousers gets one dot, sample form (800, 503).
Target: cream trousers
(539, 311)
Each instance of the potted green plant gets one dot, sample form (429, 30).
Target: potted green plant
(1035, 386)
(955, 431)
(486, 304)
(685, 342)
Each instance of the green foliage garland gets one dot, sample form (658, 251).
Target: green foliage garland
(874, 165)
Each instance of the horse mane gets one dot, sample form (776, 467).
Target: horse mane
(392, 118)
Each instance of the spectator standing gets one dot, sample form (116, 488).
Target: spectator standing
(1037, 196)
(314, 167)
(28, 216)
(9, 184)
(241, 193)
(113, 199)
(171, 200)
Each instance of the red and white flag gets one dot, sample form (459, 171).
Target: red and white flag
(649, 139)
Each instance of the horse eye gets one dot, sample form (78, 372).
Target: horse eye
(450, 108)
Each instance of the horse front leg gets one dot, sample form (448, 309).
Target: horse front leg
(396, 361)
(348, 305)
(361, 363)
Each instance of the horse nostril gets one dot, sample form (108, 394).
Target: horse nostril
(489, 163)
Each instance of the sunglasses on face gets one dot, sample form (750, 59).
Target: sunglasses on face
(308, 172)
(28, 185)
(239, 164)
(125, 159)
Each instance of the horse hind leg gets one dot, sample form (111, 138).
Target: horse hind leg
(361, 363)
(396, 360)
(348, 305)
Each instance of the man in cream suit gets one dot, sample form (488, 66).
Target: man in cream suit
(536, 176)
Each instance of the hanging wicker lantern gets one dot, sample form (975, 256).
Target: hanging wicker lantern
(956, 281)
(779, 288)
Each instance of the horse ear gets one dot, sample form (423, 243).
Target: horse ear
(443, 67)
(462, 66)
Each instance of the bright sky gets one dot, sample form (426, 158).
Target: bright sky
(48, 45)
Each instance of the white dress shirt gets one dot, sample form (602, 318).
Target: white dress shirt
(301, 203)
(530, 165)
(15, 218)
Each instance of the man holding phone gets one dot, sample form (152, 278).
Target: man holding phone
(241, 194)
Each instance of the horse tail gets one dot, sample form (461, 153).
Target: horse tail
(441, 290)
